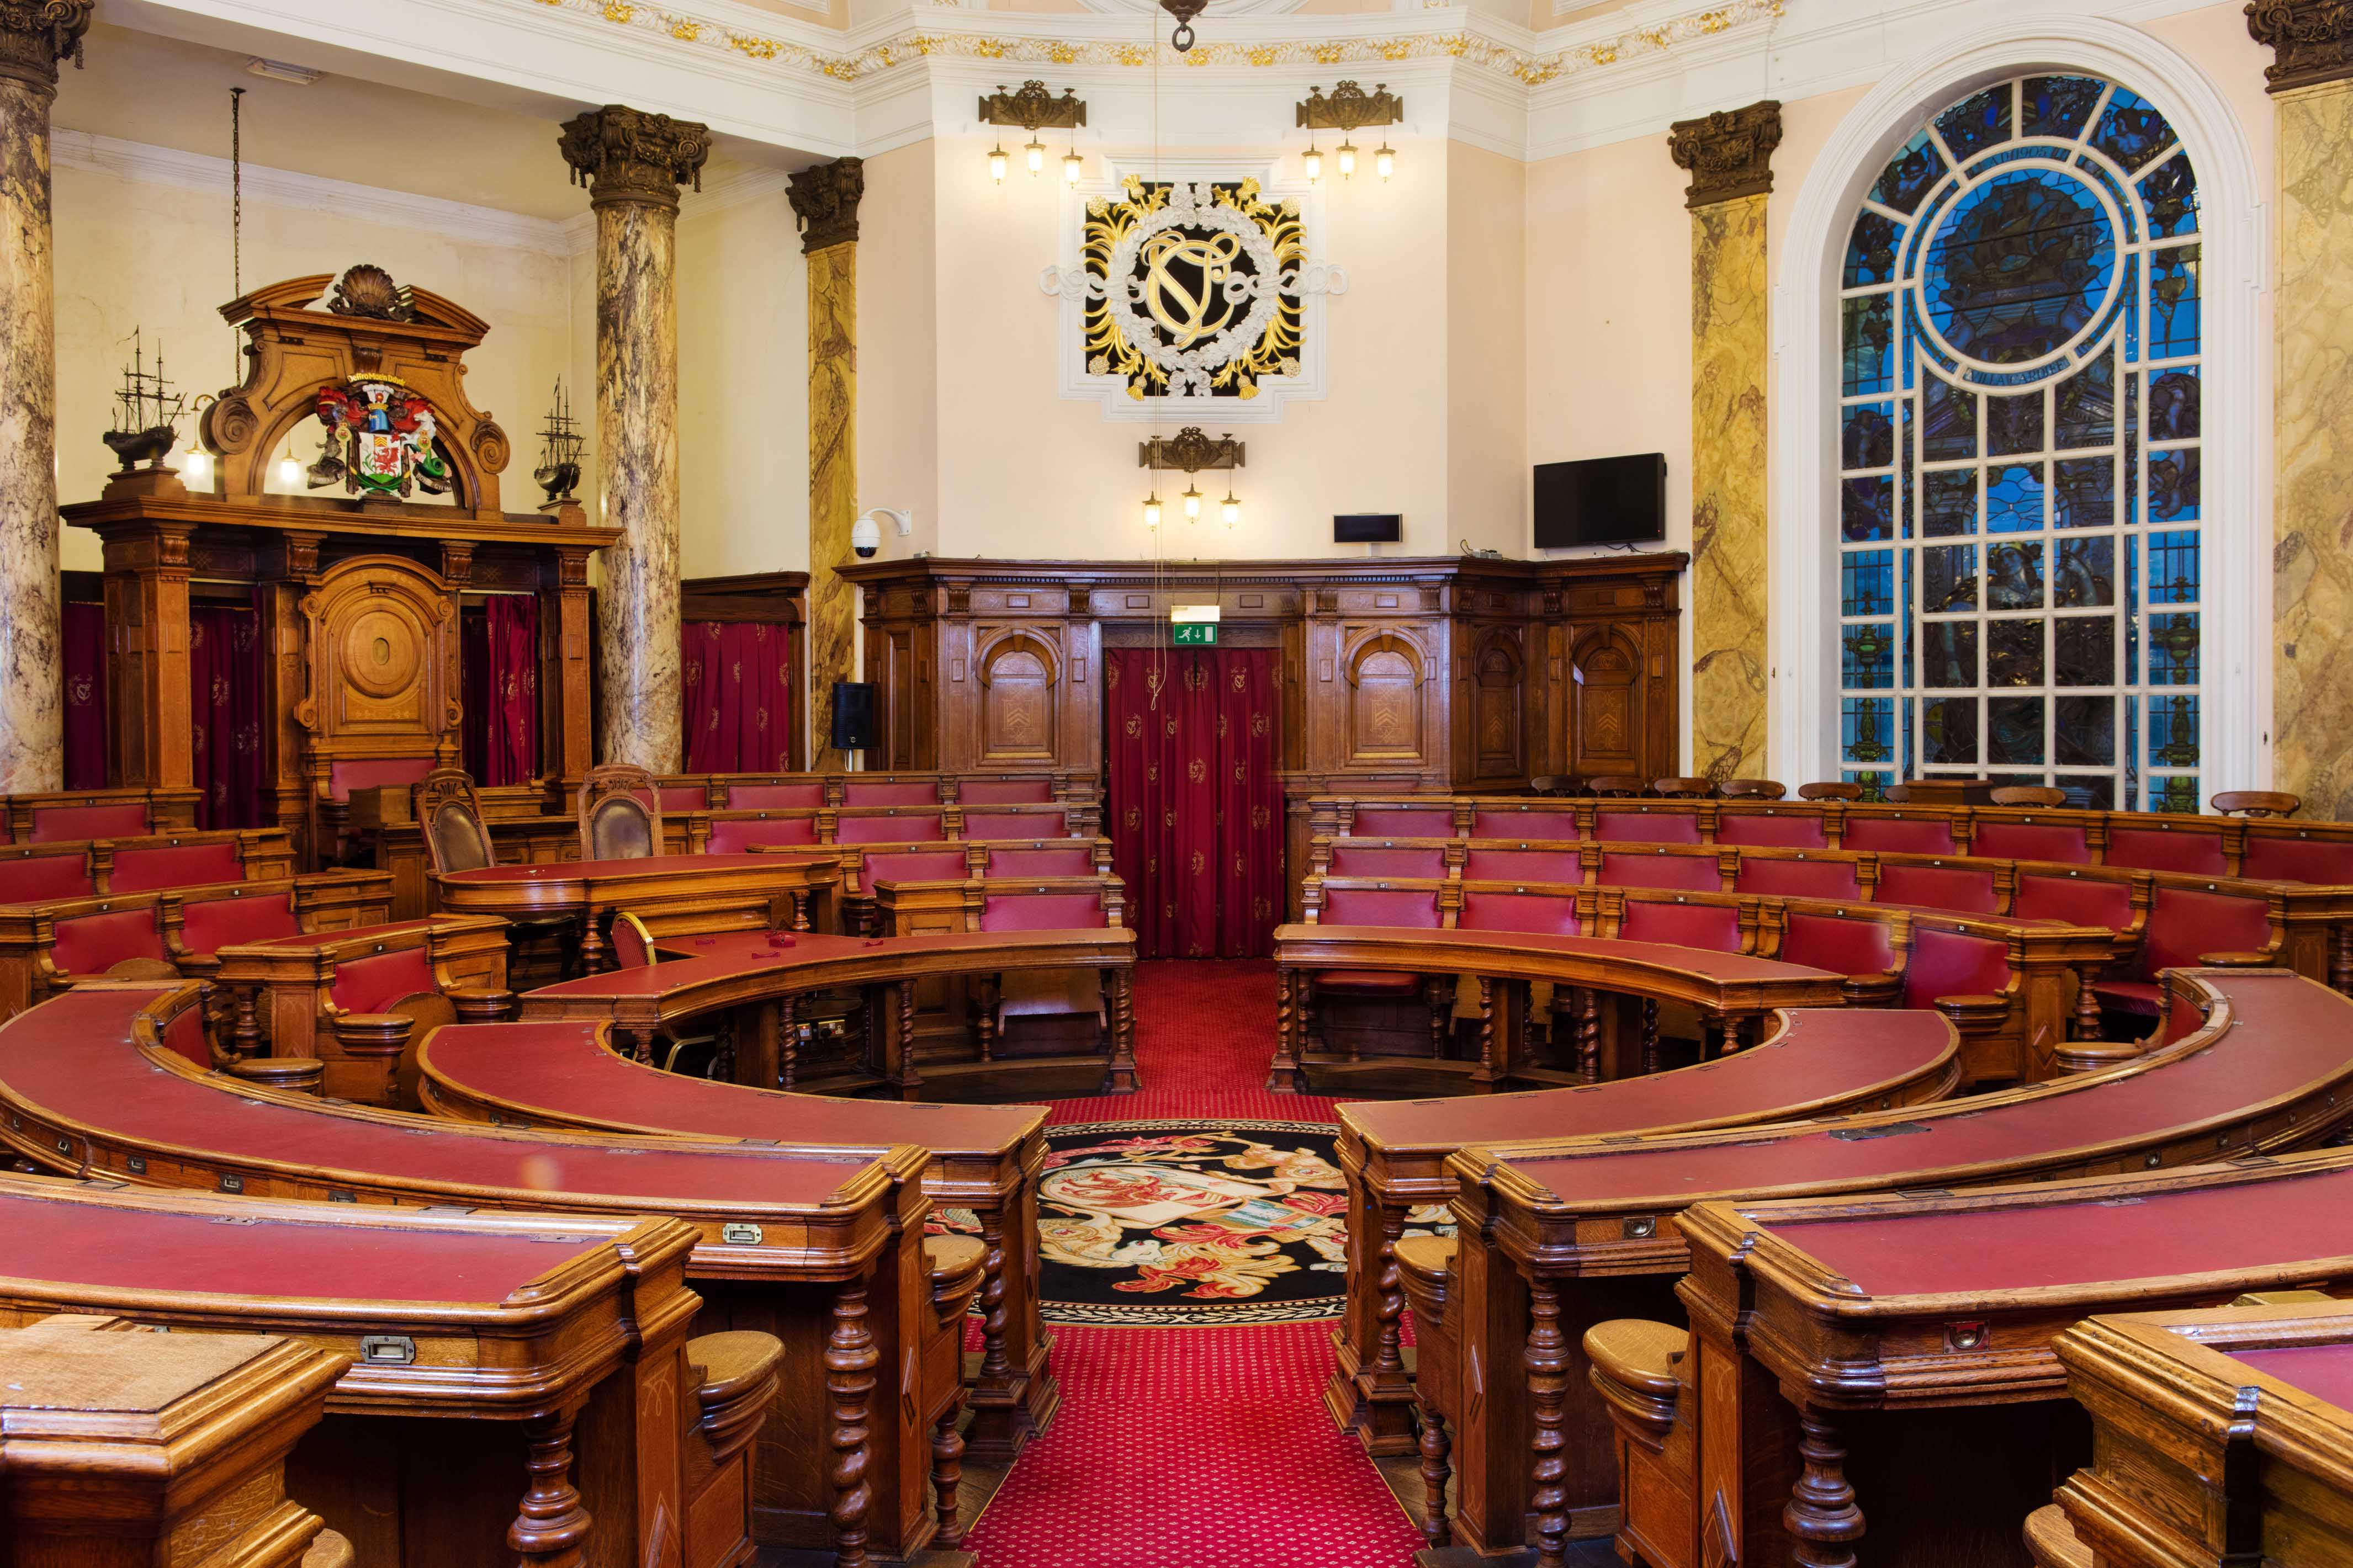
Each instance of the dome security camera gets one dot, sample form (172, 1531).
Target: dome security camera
(865, 537)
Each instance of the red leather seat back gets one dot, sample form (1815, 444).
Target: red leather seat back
(1964, 889)
(111, 819)
(1015, 824)
(1041, 911)
(1797, 879)
(1404, 822)
(1953, 963)
(1351, 859)
(1523, 866)
(1041, 862)
(1006, 792)
(903, 829)
(2168, 849)
(1843, 944)
(630, 951)
(207, 925)
(25, 878)
(94, 943)
(856, 790)
(1714, 927)
(1379, 907)
(2185, 924)
(1778, 829)
(176, 866)
(376, 773)
(2325, 861)
(1997, 839)
(1625, 826)
(683, 797)
(775, 796)
(1899, 834)
(374, 982)
(1687, 873)
(2075, 900)
(737, 835)
(185, 1036)
(1518, 911)
(920, 866)
(1511, 822)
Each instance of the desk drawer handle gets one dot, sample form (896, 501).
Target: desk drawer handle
(741, 1234)
(387, 1350)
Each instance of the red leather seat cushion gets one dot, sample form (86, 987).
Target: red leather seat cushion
(1523, 866)
(889, 792)
(1776, 829)
(906, 828)
(1041, 911)
(2004, 840)
(1379, 907)
(683, 797)
(1900, 835)
(736, 836)
(1015, 824)
(1625, 826)
(1368, 981)
(1355, 860)
(176, 866)
(1960, 889)
(371, 982)
(1953, 963)
(2168, 849)
(114, 819)
(92, 944)
(922, 866)
(1404, 822)
(1714, 927)
(1512, 822)
(2130, 996)
(1042, 863)
(1004, 792)
(774, 796)
(2075, 900)
(1839, 943)
(207, 925)
(377, 772)
(1518, 911)
(1687, 873)
(26, 878)
(2325, 861)
(2185, 924)
(1799, 878)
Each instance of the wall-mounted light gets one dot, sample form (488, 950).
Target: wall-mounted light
(1347, 162)
(1036, 153)
(1072, 164)
(1034, 108)
(196, 466)
(1192, 499)
(996, 163)
(1152, 509)
(1191, 452)
(1384, 161)
(1349, 108)
(289, 471)
(1312, 162)
(1231, 508)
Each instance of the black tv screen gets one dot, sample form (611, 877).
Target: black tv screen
(1368, 528)
(1601, 501)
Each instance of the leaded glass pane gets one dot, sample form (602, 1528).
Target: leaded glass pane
(1870, 340)
(1948, 654)
(2173, 567)
(2013, 576)
(2087, 650)
(2014, 729)
(2173, 405)
(2013, 653)
(2059, 106)
(2013, 424)
(1866, 508)
(1977, 122)
(1871, 251)
(1949, 728)
(2131, 132)
(1948, 502)
(1948, 423)
(1867, 435)
(2014, 499)
(2087, 405)
(2170, 193)
(2085, 573)
(1909, 174)
(2087, 731)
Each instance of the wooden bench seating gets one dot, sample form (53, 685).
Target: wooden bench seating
(65, 868)
(823, 1249)
(82, 814)
(463, 1342)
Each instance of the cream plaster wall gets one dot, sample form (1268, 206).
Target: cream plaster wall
(1487, 348)
(899, 393)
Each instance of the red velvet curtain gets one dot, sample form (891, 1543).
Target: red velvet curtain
(85, 660)
(1195, 739)
(498, 654)
(225, 700)
(739, 700)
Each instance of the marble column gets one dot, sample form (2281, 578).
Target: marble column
(1729, 156)
(633, 163)
(825, 200)
(2312, 557)
(34, 37)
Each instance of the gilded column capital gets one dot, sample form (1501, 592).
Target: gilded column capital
(36, 35)
(2311, 40)
(625, 154)
(824, 199)
(1729, 153)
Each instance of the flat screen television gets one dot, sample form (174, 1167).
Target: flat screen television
(1601, 501)
(1368, 528)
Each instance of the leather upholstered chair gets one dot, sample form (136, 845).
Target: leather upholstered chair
(1617, 786)
(1830, 790)
(1552, 785)
(2256, 803)
(1752, 789)
(450, 816)
(2029, 794)
(620, 815)
(1685, 788)
(633, 948)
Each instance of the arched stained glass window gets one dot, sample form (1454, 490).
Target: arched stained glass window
(2019, 538)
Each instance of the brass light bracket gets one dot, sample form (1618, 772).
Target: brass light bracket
(1190, 450)
(1034, 108)
(1350, 108)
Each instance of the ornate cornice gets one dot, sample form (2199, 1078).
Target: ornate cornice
(625, 154)
(1729, 153)
(2311, 40)
(825, 201)
(36, 35)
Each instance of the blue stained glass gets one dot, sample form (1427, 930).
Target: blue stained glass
(2084, 492)
(2131, 131)
(2084, 572)
(1909, 174)
(2058, 106)
(1871, 251)
(2176, 791)
(1949, 422)
(2173, 650)
(1949, 730)
(1948, 654)
(2173, 567)
(1911, 749)
(2013, 576)
(1978, 121)
(2014, 729)
(1869, 336)
(1866, 435)
(1875, 785)
(2173, 486)
(2093, 793)
(1867, 725)
(2173, 412)
(2132, 751)
(1869, 582)
(1951, 502)
(1866, 508)
(1948, 578)
(2173, 323)
(2172, 733)
(2090, 168)
(2019, 267)
(2170, 193)
(2086, 731)
(2014, 499)
(1868, 655)
(2086, 406)
(2013, 424)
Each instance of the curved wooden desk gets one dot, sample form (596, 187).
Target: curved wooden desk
(986, 1158)
(673, 893)
(804, 1243)
(753, 972)
(504, 1328)
(1817, 1062)
(1557, 1235)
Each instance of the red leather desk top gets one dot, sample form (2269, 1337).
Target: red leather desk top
(330, 938)
(2323, 1370)
(643, 866)
(1715, 965)
(751, 952)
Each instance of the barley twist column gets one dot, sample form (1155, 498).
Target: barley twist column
(633, 163)
(35, 35)
(825, 203)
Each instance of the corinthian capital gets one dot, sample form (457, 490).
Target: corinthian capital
(1729, 153)
(2311, 40)
(36, 35)
(825, 198)
(626, 154)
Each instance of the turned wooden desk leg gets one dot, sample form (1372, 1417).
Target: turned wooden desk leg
(1440, 994)
(908, 1079)
(987, 1021)
(996, 1366)
(947, 1473)
(788, 1041)
(1436, 1471)
(1821, 1515)
(1485, 1078)
(1388, 1360)
(595, 956)
(849, 1361)
(2340, 964)
(800, 910)
(1588, 1033)
(1546, 1360)
(1120, 1076)
(2087, 1007)
(1650, 1034)
(551, 1524)
(245, 1038)
(1282, 1074)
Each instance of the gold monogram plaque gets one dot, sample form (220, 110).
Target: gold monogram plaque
(1193, 289)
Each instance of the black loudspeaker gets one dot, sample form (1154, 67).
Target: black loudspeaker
(1368, 528)
(853, 715)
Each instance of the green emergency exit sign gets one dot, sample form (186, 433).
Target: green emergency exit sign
(1195, 633)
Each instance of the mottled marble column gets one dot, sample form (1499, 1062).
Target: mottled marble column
(633, 163)
(34, 38)
(824, 199)
(1729, 156)
(2312, 556)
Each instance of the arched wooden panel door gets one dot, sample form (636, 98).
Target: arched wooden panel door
(382, 657)
(1386, 713)
(1019, 721)
(1605, 729)
(1497, 747)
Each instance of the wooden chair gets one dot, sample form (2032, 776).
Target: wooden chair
(1830, 791)
(2256, 803)
(1620, 787)
(2029, 794)
(1555, 784)
(449, 817)
(620, 815)
(1684, 789)
(633, 948)
(1896, 795)
(1752, 789)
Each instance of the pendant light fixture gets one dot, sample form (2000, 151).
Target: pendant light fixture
(1034, 108)
(996, 163)
(1312, 162)
(1191, 452)
(1349, 110)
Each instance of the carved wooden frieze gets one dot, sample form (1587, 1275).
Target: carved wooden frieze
(1729, 153)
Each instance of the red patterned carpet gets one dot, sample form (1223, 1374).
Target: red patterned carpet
(1195, 1447)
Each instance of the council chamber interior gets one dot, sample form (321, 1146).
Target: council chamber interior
(1085, 784)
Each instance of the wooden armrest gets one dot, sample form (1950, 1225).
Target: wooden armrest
(2091, 1055)
(372, 1034)
(482, 1003)
(739, 1379)
(1432, 1257)
(2241, 960)
(328, 1550)
(1973, 1013)
(299, 1075)
(1872, 990)
(1637, 1371)
(953, 1264)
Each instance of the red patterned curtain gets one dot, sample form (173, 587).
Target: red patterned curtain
(497, 655)
(85, 651)
(225, 691)
(1196, 737)
(739, 703)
